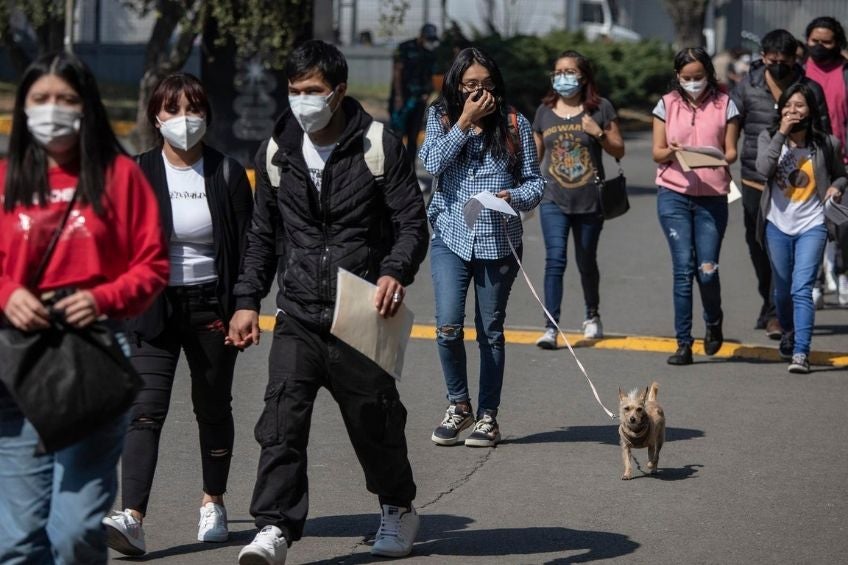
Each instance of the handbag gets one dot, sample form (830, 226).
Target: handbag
(612, 194)
(67, 381)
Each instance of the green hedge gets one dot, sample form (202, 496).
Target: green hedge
(630, 75)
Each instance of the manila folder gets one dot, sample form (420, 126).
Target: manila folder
(357, 322)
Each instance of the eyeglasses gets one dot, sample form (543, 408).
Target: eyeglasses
(487, 84)
(568, 73)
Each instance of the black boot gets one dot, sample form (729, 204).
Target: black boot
(713, 338)
(683, 356)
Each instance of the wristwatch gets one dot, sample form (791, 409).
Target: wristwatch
(601, 135)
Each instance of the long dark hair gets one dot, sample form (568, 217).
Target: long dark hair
(496, 138)
(589, 94)
(692, 55)
(815, 134)
(26, 175)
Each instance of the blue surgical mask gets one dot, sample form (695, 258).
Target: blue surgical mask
(566, 85)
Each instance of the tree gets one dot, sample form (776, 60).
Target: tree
(264, 28)
(47, 20)
(688, 17)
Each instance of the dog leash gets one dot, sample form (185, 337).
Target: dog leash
(551, 318)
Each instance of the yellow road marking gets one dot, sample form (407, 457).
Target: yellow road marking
(632, 343)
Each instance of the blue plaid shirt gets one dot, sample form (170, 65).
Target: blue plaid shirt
(461, 175)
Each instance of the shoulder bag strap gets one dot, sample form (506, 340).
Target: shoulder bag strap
(45, 259)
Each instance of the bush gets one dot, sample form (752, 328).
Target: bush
(630, 75)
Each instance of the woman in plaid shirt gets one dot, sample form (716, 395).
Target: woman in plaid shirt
(475, 142)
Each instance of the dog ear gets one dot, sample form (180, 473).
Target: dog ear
(621, 395)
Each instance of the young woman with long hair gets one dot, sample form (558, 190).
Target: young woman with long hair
(692, 204)
(475, 142)
(572, 129)
(206, 204)
(110, 261)
(804, 168)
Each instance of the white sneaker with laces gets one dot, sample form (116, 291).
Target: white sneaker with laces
(212, 526)
(593, 328)
(267, 548)
(842, 289)
(398, 528)
(818, 298)
(124, 533)
(548, 339)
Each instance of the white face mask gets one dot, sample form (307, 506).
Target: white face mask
(694, 87)
(183, 132)
(54, 127)
(312, 111)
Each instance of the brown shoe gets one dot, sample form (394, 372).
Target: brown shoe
(773, 329)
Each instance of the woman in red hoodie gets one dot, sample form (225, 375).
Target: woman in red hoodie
(110, 261)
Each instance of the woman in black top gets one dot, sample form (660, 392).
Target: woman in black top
(206, 204)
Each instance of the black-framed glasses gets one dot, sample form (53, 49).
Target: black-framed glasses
(568, 73)
(487, 84)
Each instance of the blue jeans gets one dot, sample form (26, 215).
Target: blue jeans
(51, 505)
(795, 264)
(587, 231)
(694, 227)
(492, 283)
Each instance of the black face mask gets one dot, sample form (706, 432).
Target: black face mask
(779, 71)
(801, 126)
(821, 54)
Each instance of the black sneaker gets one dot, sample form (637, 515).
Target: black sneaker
(486, 432)
(787, 346)
(713, 338)
(683, 356)
(800, 364)
(456, 419)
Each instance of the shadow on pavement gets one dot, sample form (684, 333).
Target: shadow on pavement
(595, 434)
(236, 539)
(445, 535)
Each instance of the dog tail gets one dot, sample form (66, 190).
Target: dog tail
(652, 391)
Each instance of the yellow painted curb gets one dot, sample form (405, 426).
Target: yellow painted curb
(5, 125)
(632, 343)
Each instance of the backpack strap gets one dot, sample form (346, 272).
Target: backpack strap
(375, 157)
(271, 169)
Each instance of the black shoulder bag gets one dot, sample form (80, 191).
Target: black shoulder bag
(67, 381)
(612, 194)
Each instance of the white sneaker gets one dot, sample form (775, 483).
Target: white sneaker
(829, 264)
(124, 533)
(548, 339)
(593, 328)
(267, 548)
(398, 528)
(818, 298)
(842, 290)
(213, 523)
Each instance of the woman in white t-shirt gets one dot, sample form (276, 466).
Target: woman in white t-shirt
(804, 169)
(205, 206)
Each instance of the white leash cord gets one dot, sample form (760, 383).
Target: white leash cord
(551, 318)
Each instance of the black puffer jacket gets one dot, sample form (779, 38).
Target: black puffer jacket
(758, 108)
(343, 225)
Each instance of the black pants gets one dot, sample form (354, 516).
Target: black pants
(301, 362)
(758, 253)
(194, 326)
(413, 127)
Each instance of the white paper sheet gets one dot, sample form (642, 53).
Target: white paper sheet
(735, 193)
(484, 200)
(358, 323)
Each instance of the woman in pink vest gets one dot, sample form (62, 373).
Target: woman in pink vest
(692, 204)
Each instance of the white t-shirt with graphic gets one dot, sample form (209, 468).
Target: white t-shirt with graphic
(191, 248)
(316, 157)
(795, 204)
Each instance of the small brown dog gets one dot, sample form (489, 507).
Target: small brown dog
(642, 425)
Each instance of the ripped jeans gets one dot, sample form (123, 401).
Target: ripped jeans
(194, 325)
(694, 227)
(492, 284)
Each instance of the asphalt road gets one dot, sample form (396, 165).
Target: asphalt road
(750, 472)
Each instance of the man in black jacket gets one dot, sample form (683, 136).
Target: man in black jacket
(321, 208)
(756, 98)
